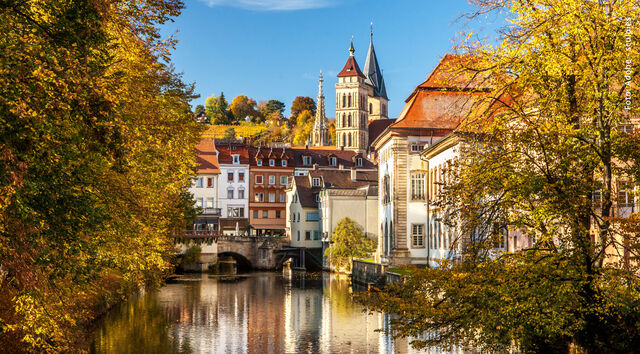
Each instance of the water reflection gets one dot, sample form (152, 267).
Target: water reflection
(255, 313)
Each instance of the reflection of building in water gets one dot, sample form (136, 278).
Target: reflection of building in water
(303, 313)
(266, 323)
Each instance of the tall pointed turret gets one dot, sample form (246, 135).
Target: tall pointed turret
(320, 133)
(373, 73)
(378, 103)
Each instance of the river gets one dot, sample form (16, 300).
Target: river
(259, 312)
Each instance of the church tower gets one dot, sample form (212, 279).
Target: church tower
(378, 103)
(352, 95)
(320, 132)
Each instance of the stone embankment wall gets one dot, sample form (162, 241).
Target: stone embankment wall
(373, 274)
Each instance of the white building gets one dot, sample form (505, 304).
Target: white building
(432, 111)
(302, 212)
(233, 188)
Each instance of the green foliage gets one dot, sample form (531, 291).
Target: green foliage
(268, 108)
(229, 134)
(217, 109)
(96, 142)
(348, 242)
(192, 255)
(535, 150)
(199, 109)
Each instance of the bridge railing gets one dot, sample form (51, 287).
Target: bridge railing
(217, 236)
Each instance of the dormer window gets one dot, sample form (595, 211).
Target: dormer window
(416, 148)
(259, 162)
(359, 162)
(306, 160)
(284, 163)
(315, 182)
(333, 161)
(272, 162)
(235, 159)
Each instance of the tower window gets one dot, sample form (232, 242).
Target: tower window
(344, 120)
(344, 100)
(370, 108)
(349, 120)
(349, 100)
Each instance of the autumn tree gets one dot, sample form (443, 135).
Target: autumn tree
(217, 109)
(199, 109)
(348, 242)
(243, 107)
(545, 141)
(302, 130)
(96, 142)
(268, 108)
(299, 105)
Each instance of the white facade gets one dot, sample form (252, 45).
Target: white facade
(204, 188)
(358, 205)
(233, 190)
(303, 226)
(402, 180)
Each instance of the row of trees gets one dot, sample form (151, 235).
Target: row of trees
(96, 151)
(296, 129)
(563, 79)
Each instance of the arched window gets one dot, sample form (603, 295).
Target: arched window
(344, 139)
(370, 108)
(391, 240)
(344, 100)
(385, 239)
(349, 120)
(349, 100)
(344, 120)
(349, 140)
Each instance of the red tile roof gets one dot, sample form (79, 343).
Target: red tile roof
(225, 152)
(346, 158)
(376, 127)
(333, 179)
(206, 157)
(351, 68)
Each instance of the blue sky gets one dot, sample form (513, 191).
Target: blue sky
(274, 49)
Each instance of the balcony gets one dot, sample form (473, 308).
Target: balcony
(211, 211)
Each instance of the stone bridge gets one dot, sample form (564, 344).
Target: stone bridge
(249, 252)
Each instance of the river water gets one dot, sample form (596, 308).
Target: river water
(255, 313)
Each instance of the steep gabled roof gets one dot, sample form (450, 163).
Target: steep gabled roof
(351, 68)
(225, 152)
(206, 157)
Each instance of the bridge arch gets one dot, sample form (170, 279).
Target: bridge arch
(242, 262)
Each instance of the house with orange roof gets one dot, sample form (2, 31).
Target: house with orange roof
(204, 186)
(432, 111)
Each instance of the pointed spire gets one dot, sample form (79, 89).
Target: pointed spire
(351, 49)
(372, 71)
(320, 92)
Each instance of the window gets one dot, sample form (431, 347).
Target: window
(315, 182)
(278, 214)
(265, 214)
(283, 198)
(625, 194)
(200, 202)
(298, 235)
(298, 216)
(416, 148)
(258, 179)
(209, 203)
(236, 159)
(240, 176)
(199, 182)
(230, 193)
(317, 197)
(307, 235)
(312, 216)
(272, 197)
(370, 108)
(316, 235)
(272, 179)
(359, 162)
(272, 162)
(283, 163)
(240, 193)
(417, 235)
(209, 182)
(255, 214)
(284, 180)
(230, 176)
(235, 212)
(387, 190)
(259, 162)
(596, 197)
(306, 160)
(417, 186)
(333, 161)
(259, 197)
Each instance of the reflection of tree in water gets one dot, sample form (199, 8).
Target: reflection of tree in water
(137, 326)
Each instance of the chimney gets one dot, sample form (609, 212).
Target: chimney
(340, 166)
(315, 166)
(354, 174)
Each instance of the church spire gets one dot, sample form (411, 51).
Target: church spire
(372, 71)
(320, 132)
(351, 49)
